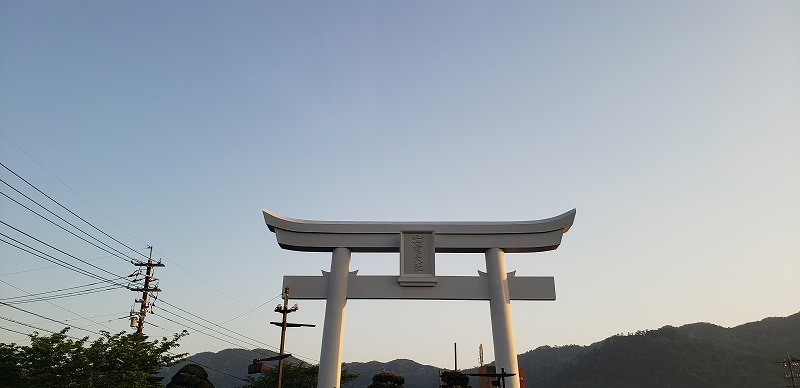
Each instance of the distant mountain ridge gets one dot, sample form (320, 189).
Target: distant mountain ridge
(693, 355)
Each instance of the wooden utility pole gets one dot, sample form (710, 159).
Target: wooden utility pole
(791, 363)
(285, 310)
(144, 306)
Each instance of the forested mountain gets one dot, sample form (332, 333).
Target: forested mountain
(694, 355)
(416, 375)
(226, 368)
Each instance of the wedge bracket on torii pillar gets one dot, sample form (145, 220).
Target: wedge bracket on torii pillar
(417, 243)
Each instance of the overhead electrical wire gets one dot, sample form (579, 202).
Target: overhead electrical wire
(39, 253)
(35, 252)
(12, 330)
(26, 299)
(198, 331)
(210, 328)
(52, 247)
(55, 305)
(251, 310)
(212, 323)
(84, 232)
(68, 188)
(25, 324)
(63, 228)
(48, 267)
(204, 282)
(37, 294)
(228, 341)
(48, 318)
(62, 263)
(70, 211)
(249, 341)
(119, 315)
(86, 288)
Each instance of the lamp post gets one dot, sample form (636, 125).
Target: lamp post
(285, 310)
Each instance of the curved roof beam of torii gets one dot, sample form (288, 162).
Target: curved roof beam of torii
(371, 236)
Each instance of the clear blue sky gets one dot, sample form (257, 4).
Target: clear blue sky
(673, 127)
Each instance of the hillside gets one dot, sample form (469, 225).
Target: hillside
(694, 355)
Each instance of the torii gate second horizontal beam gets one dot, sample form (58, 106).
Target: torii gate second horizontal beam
(446, 288)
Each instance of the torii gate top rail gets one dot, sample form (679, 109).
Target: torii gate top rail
(451, 237)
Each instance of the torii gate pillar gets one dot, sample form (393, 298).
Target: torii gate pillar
(505, 353)
(417, 243)
(333, 330)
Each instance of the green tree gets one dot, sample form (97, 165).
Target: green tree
(299, 375)
(384, 379)
(57, 360)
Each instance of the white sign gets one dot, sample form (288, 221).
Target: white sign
(417, 259)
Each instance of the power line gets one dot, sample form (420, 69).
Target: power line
(251, 310)
(13, 331)
(199, 331)
(204, 282)
(122, 315)
(250, 341)
(65, 208)
(85, 221)
(62, 219)
(52, 259)
(256, 344)
(29, 295)
(25, 324)
(48, 318)
(60, 262)
(61, 296)
(52, 247)
(60, 307)
(212, 323)
(69, 188)
(84, 232)
(48, 267)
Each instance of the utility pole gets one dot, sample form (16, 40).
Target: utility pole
(285, 310)
(144, 307)
(455, 356)
(791, 362)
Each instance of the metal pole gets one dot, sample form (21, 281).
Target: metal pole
(284, 311)
(455, 356)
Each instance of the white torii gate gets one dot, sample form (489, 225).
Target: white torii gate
(417, 243)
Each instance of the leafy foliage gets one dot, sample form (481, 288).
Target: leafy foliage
(57, 360)
(384, 379)
(295, 375)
